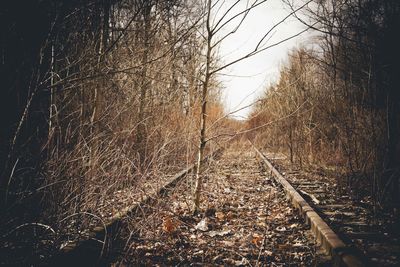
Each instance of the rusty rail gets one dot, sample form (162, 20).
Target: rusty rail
(341, 254)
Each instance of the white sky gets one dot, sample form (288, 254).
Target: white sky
(256, 73)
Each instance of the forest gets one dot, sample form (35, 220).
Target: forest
(103, 101)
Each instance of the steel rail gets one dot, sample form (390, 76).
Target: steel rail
(341, 254)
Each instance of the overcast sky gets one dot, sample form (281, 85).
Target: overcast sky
(246, 80)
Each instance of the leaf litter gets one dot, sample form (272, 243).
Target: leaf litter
(245, 221)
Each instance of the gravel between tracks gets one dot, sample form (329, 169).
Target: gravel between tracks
(245, 220)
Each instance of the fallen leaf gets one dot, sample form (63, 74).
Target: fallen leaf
(169, 226)
(220, 233)
(202, 225)
(220, 215)
(257, 240)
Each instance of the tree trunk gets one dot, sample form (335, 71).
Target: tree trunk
(291, 145)
(202, 144)
(144, 83)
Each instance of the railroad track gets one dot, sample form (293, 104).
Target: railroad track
(248, 232)
(307, 196)
(95, 247)
(337, 224)
(246, 221)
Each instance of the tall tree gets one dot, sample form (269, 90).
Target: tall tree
(229, 20)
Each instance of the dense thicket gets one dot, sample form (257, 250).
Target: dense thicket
(338, 104)
(96, 95)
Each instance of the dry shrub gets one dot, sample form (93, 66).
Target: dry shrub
(312, 119)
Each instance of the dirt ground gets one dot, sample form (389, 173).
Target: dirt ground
(245, 221)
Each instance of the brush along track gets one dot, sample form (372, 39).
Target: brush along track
(90, 250)
(332, 214)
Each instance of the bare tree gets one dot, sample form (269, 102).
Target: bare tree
(215, 24)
